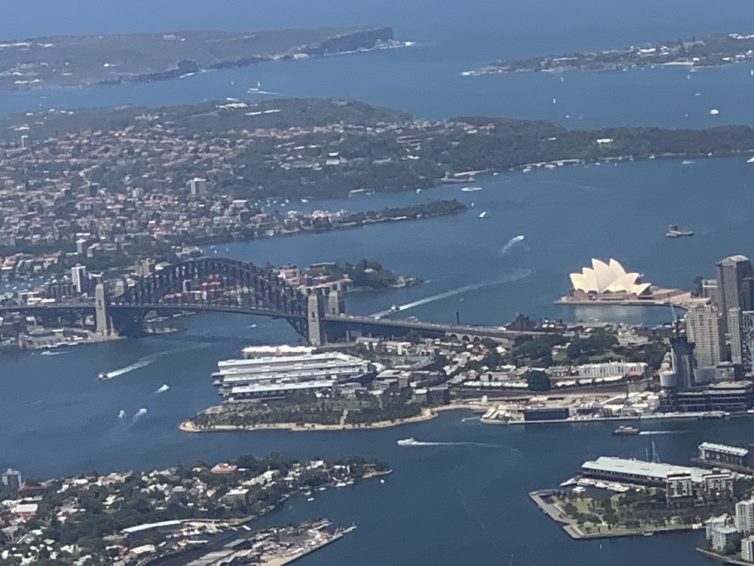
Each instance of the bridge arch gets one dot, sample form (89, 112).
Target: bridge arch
(231, 282)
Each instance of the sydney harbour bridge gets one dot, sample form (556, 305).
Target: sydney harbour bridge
(231, 286)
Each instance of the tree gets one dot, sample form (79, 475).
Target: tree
(537, 380)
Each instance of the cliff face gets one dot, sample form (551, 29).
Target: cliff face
(361, 39)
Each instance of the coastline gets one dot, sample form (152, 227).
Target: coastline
(571, 527)
(189, 426)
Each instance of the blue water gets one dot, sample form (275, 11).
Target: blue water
(451, 37)
(444, 504)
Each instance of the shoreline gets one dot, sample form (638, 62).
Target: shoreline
(721, 558)
(189, 426)
(643, 418)
(571, 528)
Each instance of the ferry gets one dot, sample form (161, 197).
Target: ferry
(674, 231)
(624, 430)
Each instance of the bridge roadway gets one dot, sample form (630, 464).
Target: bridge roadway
(350, 322)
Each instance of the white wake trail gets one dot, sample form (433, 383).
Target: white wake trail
(517, 275)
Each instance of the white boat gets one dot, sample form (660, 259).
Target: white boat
(411, 441)
(103, 376)
(750, 160)
(484, 215)
(471, 189)
(714, 112)
(687, 162)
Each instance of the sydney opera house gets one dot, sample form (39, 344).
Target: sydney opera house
(609, 283)
(603, 278)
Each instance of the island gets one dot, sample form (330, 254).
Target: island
(712, 51)
(175, 515)
(362, 276)
(66, 61)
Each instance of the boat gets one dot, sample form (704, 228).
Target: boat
(674, 231)
(625, 430)
(104, 376)
(471, 189)
(395, 308)
(411, 441)
(750, 160)
(484, 215)
(714, 112)
(687, 162)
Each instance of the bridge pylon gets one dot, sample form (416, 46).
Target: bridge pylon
(315, 311)
(102, 317)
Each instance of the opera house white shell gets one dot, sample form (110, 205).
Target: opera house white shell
(608, 278)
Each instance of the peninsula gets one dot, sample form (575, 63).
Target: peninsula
(145, 180)
(172, 516)
(713, 51)
(66, 61)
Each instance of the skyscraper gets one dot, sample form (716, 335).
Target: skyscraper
(747, 340)
(703, 329)
(684, 367)
(735, 334)
(80, 278)
(734, 294)
(734, 276)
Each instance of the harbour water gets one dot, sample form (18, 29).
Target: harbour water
(446, 504)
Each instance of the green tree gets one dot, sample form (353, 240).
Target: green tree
(537, 380)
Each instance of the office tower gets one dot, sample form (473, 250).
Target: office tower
(734, 335)
(80, 278)
(708, 289)
(747, 340)
(734, 276)
(734, 294)
(12, 479)
(703, 330)
(684, 366)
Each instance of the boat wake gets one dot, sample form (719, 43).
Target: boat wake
(516, 275)
(140, 413)
(145, 361)
(661, 432)
(511, 243)
(412, 442)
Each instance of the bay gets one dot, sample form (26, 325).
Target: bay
(453, 504)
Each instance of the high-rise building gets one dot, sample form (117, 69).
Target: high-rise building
(747, 548)
(745, 516)
(734, 276)
(12, 479)
(197, 186)
(684, 365)
(735, 347)
(703, 330)
(80, 278)
(747, 340)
